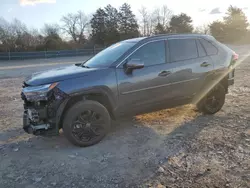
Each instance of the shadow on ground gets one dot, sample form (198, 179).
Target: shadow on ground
(128, 156)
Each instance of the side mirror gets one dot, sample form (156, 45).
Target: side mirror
(133, 64)
(78, 64)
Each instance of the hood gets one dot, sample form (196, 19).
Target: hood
(58, 74)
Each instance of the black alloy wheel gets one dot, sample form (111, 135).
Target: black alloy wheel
(88, 126)
(213, 101)
(86, 123)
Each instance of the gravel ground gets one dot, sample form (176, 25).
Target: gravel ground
(171, 148)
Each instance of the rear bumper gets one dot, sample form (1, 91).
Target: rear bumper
(230, 81)
(231, 77)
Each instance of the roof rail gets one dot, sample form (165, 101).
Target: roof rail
(176, 34)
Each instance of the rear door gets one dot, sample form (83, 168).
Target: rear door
(218, 58)
(191, 66)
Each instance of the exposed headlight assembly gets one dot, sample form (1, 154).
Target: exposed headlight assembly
(38, 93)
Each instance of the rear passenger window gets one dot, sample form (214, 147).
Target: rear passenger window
(209, 47)
(182, 49)
(201, 50)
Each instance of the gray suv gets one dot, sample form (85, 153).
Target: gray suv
(128, 78)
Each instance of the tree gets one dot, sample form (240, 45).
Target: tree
(51, 30)
(11, 34)
(52, 39)
(166, 15)
(74, 25)
(99, 30)
(163, 15)
(37, 38)
(15, 36)
(236, 23)
(218, 30)
(202, 29)
(153, 21)
(181, 23)
(6, 35)
(145, 20)
(159, 29)
(128, 26)
(111, 25)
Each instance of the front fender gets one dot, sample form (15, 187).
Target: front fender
(68, 102)
(104, 84)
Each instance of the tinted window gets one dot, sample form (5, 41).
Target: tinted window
(182, 49)
(108, 56)
(151, 54)
(201, 50)
(209, 47)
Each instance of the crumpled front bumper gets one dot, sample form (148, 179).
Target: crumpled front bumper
(42, 116)
(26, 124)
(32, 128)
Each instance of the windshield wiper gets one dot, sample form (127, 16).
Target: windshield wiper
(84, 66)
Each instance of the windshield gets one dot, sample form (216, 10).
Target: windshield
(108, 56)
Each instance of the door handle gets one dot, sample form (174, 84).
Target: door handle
(205, 64)
(165, 73)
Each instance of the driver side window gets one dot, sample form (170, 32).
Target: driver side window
(150, 54)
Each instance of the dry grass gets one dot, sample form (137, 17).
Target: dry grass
(165, 121)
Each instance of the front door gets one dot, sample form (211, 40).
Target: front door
(150, 86)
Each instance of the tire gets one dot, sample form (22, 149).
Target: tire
(81, 121)
(218, 93)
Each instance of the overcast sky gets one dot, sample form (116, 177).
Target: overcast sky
(35, 13)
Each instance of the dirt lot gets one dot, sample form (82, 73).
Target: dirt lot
(171, 148)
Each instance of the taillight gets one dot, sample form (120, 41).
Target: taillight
(235, 56)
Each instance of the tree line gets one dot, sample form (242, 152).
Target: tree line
(108, 25)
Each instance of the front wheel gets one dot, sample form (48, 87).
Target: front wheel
(213, 101)
(86, 123)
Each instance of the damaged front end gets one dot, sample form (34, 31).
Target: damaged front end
(41, 104)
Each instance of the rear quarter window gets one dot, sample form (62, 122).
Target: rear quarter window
(209, 47)
(201, 50)
(182, 49)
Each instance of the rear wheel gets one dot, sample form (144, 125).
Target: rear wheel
(86, 123)
(213, 101)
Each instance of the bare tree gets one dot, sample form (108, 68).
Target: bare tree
(51, 30)
(162, 16)
(144, 20)
(75, 25)
(158, 17)
(166, 15)
(32, 38)
(37, 39)
(5, 36)
(202, 29)
(14, 36)
(151, 25)
(11, 33)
